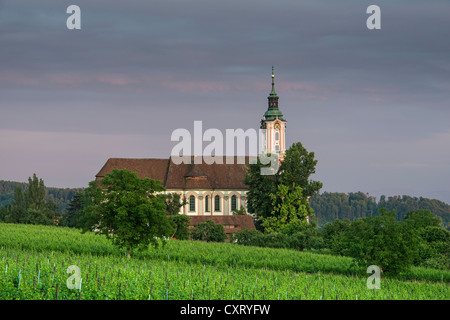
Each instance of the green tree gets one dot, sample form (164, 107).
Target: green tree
(332, 234)
(39, 210)
(297, 167)
(35, 193)
(30, 205)
(209, 231)
(75, 211)
(19, 207)
(259, 187)
(288, 205)
(302, 235)
(294, 174)
(174, 202)
(180, 223)
(434, 240)
(129, 210)
(422, 218)
(382, 241)
(240, 212)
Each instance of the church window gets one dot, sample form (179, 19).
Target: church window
(277, 135)
(233, 203)
(277, 148)
(207, 203)
(191, 203)
(216, 203)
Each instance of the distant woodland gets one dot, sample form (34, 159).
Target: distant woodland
(330, 206)
(327, 206)
(61, 196)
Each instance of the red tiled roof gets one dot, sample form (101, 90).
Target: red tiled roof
(181, 176)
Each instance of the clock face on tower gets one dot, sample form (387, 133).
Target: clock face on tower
(277, 126)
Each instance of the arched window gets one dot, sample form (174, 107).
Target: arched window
(277, 148)
(217, 203)
(207, 203)
(277, 136)
(192, 204)
(233, 203)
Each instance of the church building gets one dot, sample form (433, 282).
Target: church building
(213, 191)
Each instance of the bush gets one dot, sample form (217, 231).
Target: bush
(296, 235)
(248, 237)
(209, 231)
(302, 235)
(392, 245)
(434, 248)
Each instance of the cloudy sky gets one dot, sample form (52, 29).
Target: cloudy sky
(373, 105)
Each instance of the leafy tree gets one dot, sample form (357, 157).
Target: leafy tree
(75, 211)
(382, 241)
(129, 210)
(435, 240)
(35, 193)
(259, 186)
(422, 218)
(174, 202)
(332, 234)
(297, 167)
(209, 231)
(434, 248)
(30, 205)
(180, 223)
(293, 175)
(240, 212)
(288, 205)
(19, 207)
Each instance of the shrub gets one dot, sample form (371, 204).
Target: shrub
(332, 235)
(392, 245)
(298, 235)
(209, 231)
(248, 237)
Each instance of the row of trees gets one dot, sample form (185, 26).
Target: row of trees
(61, 196)
(330, 206)
(30, 205)
(380, 240)
(394, 245)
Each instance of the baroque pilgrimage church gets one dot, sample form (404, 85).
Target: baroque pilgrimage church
(213, 191)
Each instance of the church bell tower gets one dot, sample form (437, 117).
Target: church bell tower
(275, 125)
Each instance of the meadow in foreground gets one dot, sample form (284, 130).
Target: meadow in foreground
(34, 261)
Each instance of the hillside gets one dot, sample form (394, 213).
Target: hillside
(61, 196)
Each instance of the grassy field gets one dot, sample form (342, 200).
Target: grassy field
(34, 260)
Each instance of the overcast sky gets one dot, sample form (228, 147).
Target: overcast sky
(373, 105)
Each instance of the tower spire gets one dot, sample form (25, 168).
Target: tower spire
(273, 93)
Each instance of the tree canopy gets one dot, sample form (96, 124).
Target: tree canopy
(278, 199)
(129, 210)
(30, 205)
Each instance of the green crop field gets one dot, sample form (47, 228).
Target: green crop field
(34, 261)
